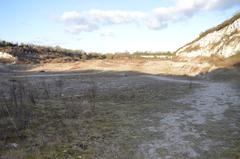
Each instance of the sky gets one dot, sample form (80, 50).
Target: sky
(111, 25)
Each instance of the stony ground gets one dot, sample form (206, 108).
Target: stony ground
(120, 115)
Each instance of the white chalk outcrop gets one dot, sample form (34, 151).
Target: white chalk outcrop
(223, 40)
(5, 57)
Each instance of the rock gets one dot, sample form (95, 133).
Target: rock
(222, 41)
(7, 58)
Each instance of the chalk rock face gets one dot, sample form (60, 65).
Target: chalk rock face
(223, 40)
(5, 57)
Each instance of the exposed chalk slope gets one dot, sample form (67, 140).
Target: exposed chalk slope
(222, 40)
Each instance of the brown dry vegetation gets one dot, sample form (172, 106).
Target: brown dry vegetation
(6, 61)
(191, 48)
(33, 54)
(224, 62)
(27, 53)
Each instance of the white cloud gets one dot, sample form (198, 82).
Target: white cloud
(87, 21)
(162, 16)
(107, 33)
(91, 20)
(76, 28)
(70, 16)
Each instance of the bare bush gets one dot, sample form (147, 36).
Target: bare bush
(16, 108)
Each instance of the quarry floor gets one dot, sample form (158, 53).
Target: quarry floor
(150, 66)
(118, 114)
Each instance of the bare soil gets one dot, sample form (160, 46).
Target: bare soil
(150, 66)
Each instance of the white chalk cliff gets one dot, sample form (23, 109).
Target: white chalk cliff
(7, 57)
(223, 41)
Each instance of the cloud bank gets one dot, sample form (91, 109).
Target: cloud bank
(93, 19)
(158, 18)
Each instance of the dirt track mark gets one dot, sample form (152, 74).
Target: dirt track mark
(180, 136)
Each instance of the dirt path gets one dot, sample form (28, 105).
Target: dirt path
(185, 133)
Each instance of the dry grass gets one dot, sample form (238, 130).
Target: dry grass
(224, 62)
(6, 61)
(191, 48)
(30, 111)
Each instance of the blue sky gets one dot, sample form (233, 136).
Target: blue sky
(111, 26)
